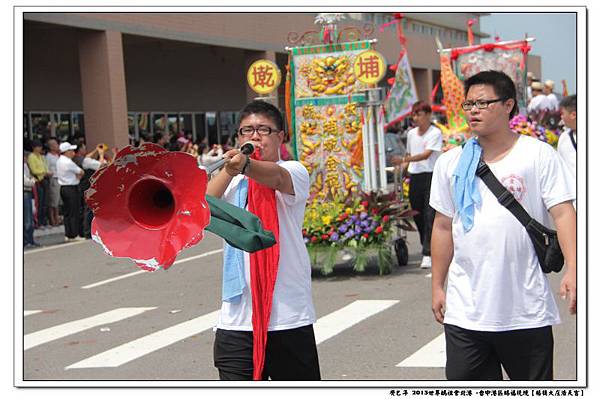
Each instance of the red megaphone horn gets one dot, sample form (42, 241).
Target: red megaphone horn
(148, 205)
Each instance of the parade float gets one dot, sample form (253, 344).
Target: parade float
(459, 63)
(335, 114)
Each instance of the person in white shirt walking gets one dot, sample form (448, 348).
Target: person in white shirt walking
(498, 308)
(69, 175)
(283, 186)
(424, 146)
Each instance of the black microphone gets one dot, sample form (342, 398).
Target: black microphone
(247, 149)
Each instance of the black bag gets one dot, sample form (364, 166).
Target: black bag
(545, 240)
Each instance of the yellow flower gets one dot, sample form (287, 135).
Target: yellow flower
(349, 211)
(326, 220)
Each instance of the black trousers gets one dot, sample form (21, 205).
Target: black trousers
(526, 355)
(72, 203)
(290, 355)
(418, 195)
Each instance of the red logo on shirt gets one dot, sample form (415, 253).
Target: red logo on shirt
(516, 185)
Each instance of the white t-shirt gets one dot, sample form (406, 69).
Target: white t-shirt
(539, 103)
(91, 163)
(553, 101)
(417, 144)
(66, 171)
(567, 152)
(495, 282)
(51, 159)
(292, 298)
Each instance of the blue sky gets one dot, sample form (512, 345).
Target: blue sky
(554, 35)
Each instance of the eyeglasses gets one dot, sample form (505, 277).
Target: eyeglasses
(262, 130)
(480, 104)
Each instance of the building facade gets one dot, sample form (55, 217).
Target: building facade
(114, 77)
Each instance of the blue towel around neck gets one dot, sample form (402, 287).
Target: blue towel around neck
(466, 193)
(233, 258)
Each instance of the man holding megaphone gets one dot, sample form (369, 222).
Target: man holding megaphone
(264, 330)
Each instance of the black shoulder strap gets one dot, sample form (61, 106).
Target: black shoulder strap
(505, 197)
(573, 140)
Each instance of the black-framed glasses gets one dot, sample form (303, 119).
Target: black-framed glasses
(262, 130)
(480, 104)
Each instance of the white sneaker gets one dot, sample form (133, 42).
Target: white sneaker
(426, 262)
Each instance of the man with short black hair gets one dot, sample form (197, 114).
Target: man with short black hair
(498, 308)
(423, 147)
(269, 290)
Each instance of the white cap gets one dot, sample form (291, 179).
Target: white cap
(537, 86)
(66, 147)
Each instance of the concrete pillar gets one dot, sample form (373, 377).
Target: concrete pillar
(103, 88)
(251, 56)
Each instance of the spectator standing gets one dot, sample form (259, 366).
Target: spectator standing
(39, 169)
(28, 186)
(548, 91)
(424, 146)
(498, 308)
(90, 163)
(53, 187)
(539, 103)
(69, 175)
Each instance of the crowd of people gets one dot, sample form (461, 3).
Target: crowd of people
(55, 177)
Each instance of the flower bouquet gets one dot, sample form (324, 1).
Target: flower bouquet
(523, 125)
(360, 224)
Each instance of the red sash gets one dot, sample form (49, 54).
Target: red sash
(263, 270)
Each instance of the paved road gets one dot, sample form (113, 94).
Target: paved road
(92, 317)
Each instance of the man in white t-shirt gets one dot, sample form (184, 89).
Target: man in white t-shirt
(69, 174)
(423, 147)
(567, 141)
(539, 103)
(291, 352)
(498, 308)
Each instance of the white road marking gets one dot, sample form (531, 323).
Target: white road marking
(58, 246)
(344, 318)
(325, 328)
(428, 275)
(110, 280)
(62, 330)
(149, 343)
(30, 312)
(431, 355)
